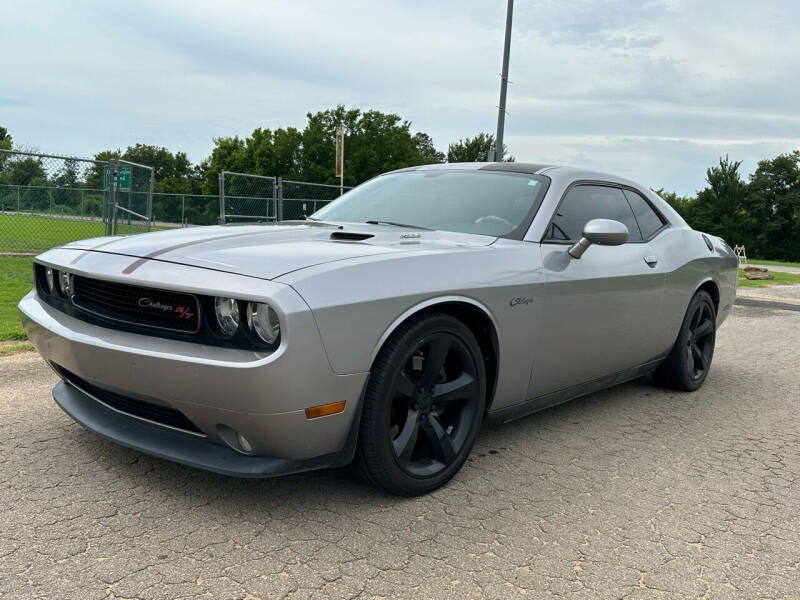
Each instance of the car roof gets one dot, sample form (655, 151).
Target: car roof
(552, 171)
(513, 167)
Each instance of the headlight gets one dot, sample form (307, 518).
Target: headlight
(227, 310)
(263, 321)
(50, 277)
(63, 278)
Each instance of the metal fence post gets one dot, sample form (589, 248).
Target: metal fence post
(279, 194)
(112, 198)
(150, 199)
(81, 204)
(222, 197)
(183, 210)
(17, 198)
(50, 193)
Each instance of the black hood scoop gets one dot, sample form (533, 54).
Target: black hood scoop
(350, 236)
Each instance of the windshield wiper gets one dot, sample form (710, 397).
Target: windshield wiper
(398, 225)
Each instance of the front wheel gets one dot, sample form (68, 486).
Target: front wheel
(423, 406)
(687, 364)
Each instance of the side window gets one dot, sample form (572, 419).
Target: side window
(586, 202)
(648, 219)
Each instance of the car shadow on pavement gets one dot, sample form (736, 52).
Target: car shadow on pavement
(600, 426)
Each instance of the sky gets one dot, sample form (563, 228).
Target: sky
(653, 90)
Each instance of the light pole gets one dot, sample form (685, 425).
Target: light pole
(340, 157)
(501, 110)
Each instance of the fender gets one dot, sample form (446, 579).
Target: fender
(422, 306)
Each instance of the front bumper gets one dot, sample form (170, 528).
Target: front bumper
(262, 396)
(180, 447)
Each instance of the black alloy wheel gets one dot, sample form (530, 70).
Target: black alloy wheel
(434, 401)
(686, 366)
(424, 406)
(700, 342)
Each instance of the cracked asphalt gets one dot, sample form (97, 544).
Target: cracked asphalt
(634, 492)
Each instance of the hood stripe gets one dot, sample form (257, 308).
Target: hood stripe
(138, 263)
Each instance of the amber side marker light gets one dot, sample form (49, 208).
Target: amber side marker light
(323, 410)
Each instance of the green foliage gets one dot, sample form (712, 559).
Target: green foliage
(263, 153)
(762, 214)
(475, 149)
(5, 139)
(428, 153)
(172, 172)
(5, 144)
(772, 208)
(375, 142)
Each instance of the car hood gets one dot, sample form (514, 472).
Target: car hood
(269, 251)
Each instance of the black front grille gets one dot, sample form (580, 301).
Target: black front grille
(148, 307)
(156, 413)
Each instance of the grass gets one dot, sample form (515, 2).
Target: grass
(16, 280)
(7, 348)
(780, 279)
(24, 233)
(771, 263)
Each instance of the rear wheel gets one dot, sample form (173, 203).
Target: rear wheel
(423, 406)
(687, 364)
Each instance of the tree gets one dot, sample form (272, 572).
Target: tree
(5, 139)
(718, 208)
(375, 142)
(172, 172)
(427, 151)
(475, 149)
(5, 144)
(771, 212)
(683, 205)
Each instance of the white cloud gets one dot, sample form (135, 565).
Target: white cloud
(654, 90)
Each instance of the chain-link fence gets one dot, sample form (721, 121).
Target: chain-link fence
(47, 200)
(131, 187)
(184, 210)
(246, 197)
(298, 199)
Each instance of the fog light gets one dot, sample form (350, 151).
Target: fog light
(63, 278)
(244, 444)
(234, 439)
(50, 277)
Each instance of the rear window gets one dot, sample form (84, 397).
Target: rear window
(649, 221)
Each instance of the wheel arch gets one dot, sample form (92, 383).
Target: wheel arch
(712, 287)
(472, 313)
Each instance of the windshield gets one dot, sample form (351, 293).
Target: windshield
(492, 203)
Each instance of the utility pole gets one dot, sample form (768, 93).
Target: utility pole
(501, 110)
(340, 157)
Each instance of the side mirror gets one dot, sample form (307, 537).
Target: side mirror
(603, 232)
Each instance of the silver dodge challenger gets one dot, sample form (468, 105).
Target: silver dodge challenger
(385, 328)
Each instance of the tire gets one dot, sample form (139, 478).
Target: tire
(418, 424)
(687, 364)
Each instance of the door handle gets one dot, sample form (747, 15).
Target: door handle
(651, 261)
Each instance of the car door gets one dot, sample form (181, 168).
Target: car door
(599, 311)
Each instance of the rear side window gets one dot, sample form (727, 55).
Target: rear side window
(648, 220)
(586, 202)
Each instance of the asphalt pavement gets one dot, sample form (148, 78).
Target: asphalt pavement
(634, 492)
